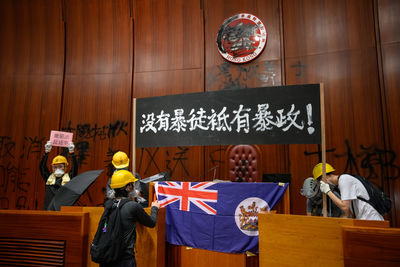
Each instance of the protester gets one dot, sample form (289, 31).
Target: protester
(59, 175)
(120, 161)
(123, 184)
(314, 199)
(350, 188)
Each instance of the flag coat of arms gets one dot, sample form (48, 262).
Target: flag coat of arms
(216, 216)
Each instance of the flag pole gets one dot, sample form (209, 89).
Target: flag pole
(323, 144)
(133, 161)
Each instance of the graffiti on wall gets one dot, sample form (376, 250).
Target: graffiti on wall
(231, 76)
(17, 170)
(372, 161)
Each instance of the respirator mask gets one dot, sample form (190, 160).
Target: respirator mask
(59, 173)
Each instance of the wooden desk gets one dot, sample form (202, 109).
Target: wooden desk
(371, 246)
(94, 214)
(43, 237)
(295, 240)
(150, 242)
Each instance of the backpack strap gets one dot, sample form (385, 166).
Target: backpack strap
(122, 202)
(363, 181)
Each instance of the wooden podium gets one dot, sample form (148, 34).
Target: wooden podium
(43, 238)
(295, 240)
(62, 238)
(150, 242)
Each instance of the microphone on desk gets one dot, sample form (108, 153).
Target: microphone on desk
(211, 169)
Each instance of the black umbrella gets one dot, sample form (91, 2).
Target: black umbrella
(68, 194)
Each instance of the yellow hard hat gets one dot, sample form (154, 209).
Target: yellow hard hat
(120, 160)
(317, 171)
(122, 178)
(59, 159)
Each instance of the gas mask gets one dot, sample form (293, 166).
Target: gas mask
(59, 173)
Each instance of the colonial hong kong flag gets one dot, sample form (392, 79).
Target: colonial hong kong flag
(216, 216)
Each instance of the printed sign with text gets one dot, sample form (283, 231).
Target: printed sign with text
(62, 139)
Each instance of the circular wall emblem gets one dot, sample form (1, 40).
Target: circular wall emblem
(241, 38)
(246, 215)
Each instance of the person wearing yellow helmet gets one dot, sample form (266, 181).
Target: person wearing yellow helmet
(131, 212)
(120, 161)
(59, 175)
(350, 190)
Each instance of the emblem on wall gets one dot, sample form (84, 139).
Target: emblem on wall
(241, 38)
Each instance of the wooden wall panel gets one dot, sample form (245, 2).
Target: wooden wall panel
(31, 67)
(32, 37)
(168, 60)
(265, 70)
(389, 29)
(389, 21)
(97, 94)
(168, 35)
(99, 36)
(327, 26)
(323, 45)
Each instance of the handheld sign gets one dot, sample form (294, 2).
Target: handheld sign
(62, 139)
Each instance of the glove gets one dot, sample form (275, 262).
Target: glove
(324, 187)
(71, 147)
(47, 147)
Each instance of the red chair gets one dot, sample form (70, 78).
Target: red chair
(244, 163)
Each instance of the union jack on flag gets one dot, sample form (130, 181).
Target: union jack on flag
(186, 193)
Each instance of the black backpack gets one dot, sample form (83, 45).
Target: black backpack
(108, 244)
(377, 198)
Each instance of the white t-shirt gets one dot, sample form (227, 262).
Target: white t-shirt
(351, 188)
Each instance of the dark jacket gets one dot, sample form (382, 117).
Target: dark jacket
(131, 213)
(51, 190)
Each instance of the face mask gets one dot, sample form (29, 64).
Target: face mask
(59, 173)
(132, 195)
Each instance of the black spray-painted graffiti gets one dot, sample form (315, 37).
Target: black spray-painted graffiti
(376, 161)
(6, 147)
(15, 177)
(231, 76)
(177, 158)
(86, 132)
(300, 66)
(110, 168)
(171, 163)
(32, 145)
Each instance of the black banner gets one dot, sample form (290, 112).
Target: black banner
(269, 115)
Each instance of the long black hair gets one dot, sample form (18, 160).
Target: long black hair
(122, 192)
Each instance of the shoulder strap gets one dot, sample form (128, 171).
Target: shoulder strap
(367, 187)
(122, 202)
